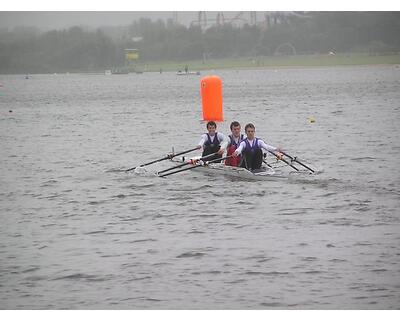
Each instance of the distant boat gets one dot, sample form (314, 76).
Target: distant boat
(189, 73)
(120, 71)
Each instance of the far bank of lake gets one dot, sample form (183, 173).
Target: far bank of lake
(246, 63)
(324, 60)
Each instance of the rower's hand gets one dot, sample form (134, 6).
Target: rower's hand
(279, 155)
(221, 151)
(235, 154)
(198, 147)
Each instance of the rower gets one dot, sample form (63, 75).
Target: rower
(212, 142)
(251, 148)
(235, 138)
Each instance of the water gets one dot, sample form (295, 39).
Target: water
(76, 233)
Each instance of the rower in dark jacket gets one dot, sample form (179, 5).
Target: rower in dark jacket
(251, 149)
(213, 142)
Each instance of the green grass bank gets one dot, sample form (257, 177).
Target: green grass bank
(273, 62)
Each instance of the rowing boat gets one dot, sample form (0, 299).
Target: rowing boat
(267, 171)
(263, 173)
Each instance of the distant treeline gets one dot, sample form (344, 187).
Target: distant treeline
(27, 50)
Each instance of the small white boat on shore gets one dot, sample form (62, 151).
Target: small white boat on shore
(188, 73)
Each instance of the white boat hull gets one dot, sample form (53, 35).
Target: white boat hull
(265, 173)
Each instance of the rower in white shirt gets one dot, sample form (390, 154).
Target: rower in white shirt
(212, 142)
(251, 148)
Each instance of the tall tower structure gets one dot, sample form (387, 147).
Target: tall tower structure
(202, 19)
(253, 18)
(175, 17)
(220, 19)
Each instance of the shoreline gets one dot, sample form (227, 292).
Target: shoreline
(281, 62)
(250, 63)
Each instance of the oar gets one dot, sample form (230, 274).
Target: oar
(219, 159)
(284, 160)
(176, 167)
(267, 163)
(186, 163)
(165, 158)
(295, 159)
(195, 166)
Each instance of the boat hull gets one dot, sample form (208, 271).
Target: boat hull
(265, 173)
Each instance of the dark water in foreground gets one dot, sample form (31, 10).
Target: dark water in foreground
(77, 234)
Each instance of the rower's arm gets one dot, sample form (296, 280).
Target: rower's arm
(224, 140)
(202, 141)
(240, 148)
(265, 146)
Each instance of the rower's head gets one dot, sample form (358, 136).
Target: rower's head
(235, 129)
(211, 127)
(250, 130)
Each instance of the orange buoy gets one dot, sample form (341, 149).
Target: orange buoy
(211, 98)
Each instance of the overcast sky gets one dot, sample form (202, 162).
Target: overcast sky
(48, 20)
(81, 12)
(62, 19)
(58, 20)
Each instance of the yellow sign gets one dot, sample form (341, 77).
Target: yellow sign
(132, 55)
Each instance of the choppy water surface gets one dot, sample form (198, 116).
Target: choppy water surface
(77, 234)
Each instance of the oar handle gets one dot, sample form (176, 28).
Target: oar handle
(183, 152)
(295, 159)
(217, 160)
